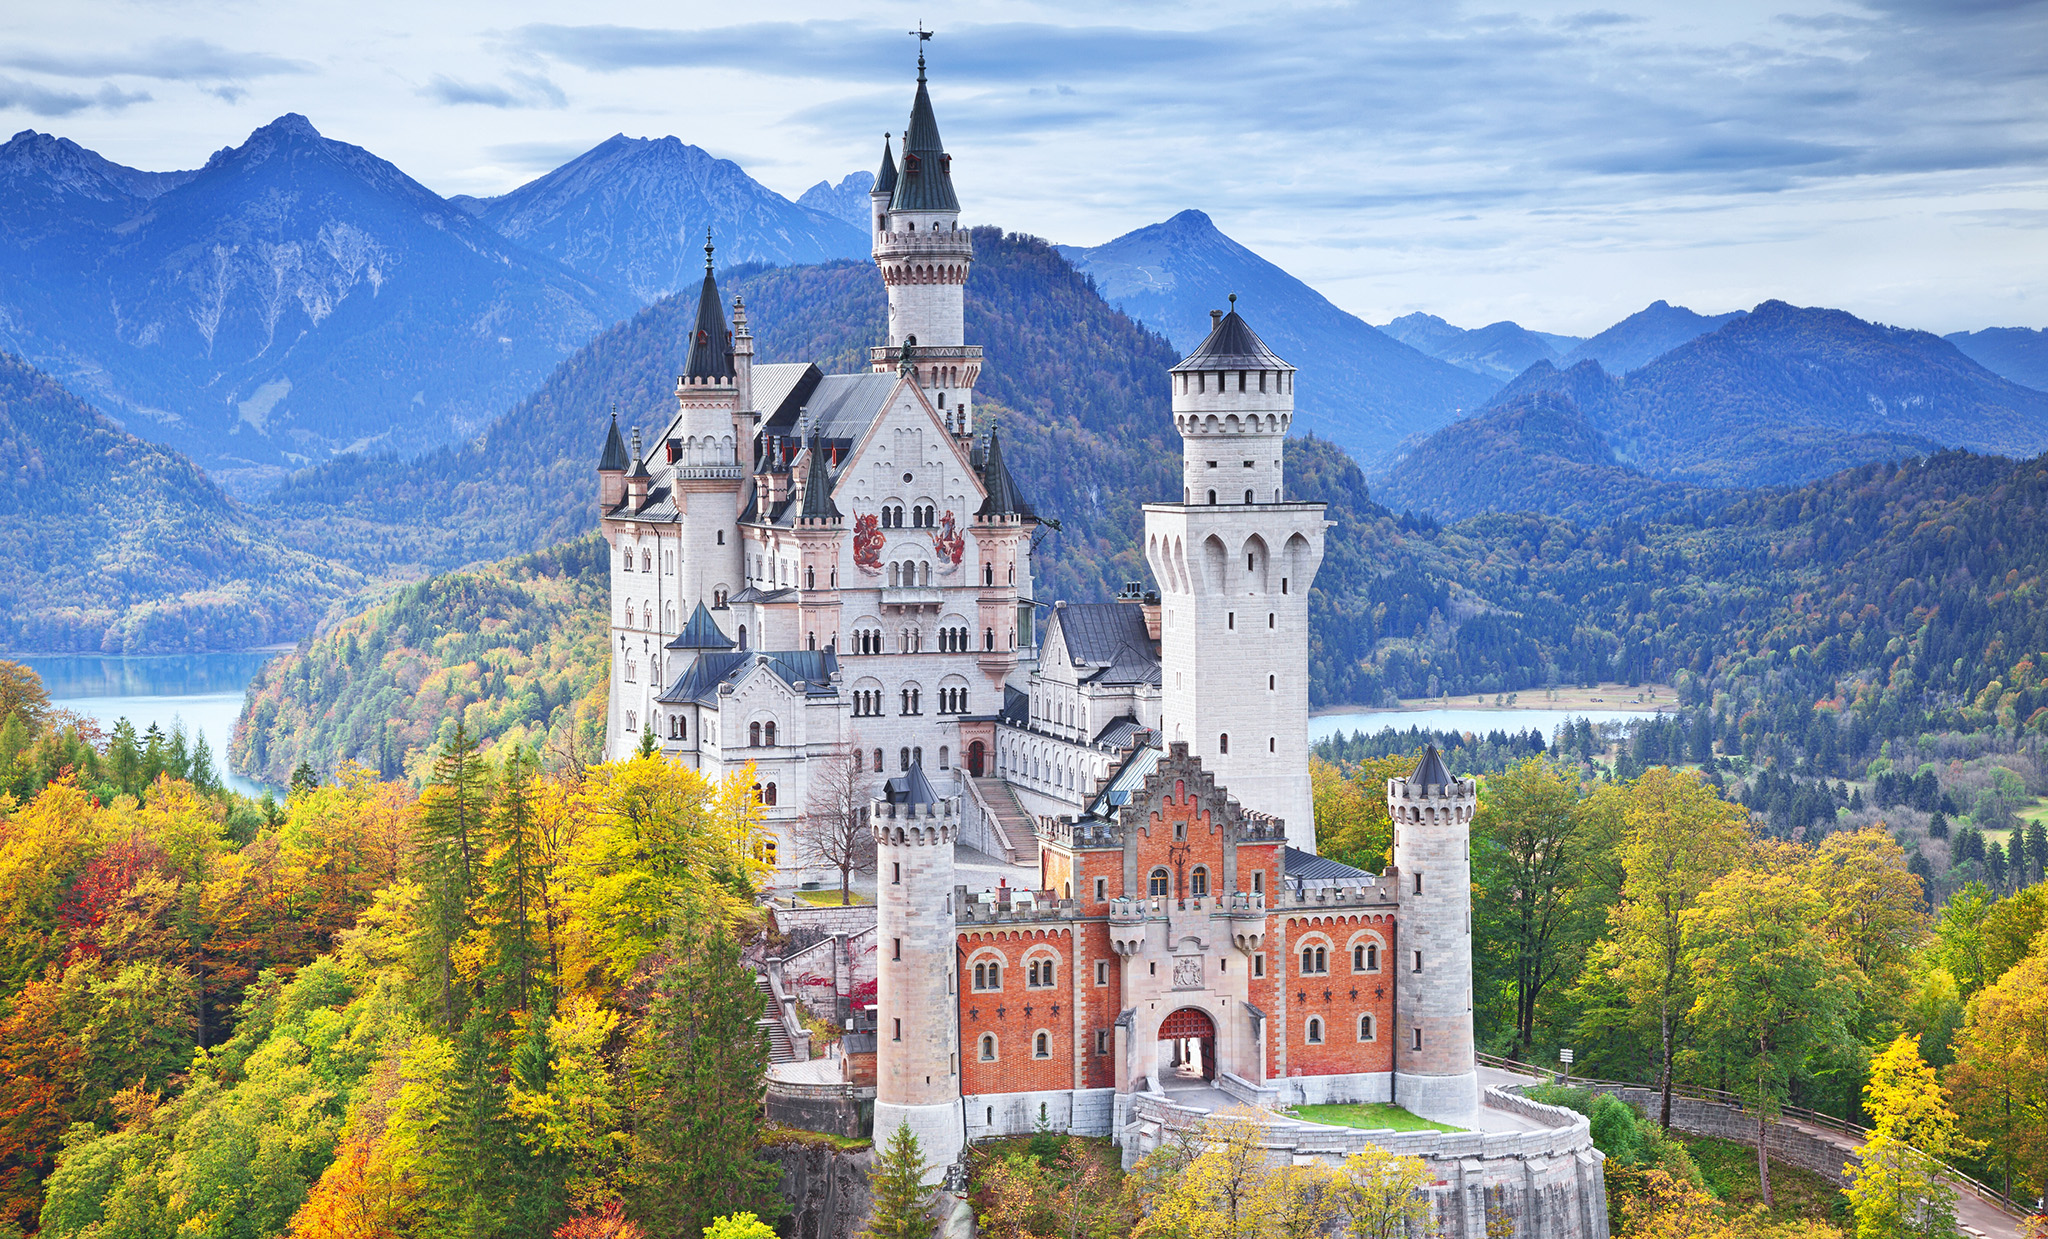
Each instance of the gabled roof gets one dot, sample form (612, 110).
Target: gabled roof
(1095, 633)
(710, 353)
(1430, 772)
(1005, 497)
(781, 389)
(1120, 732)
(925, 181)
(1016, 707)
(1312, 868)
(613, 458)
(701, 633)
(1232, 345)
(885, 180)
(699, 682)
(1127, 779)
(754, 593)
(1130, 666)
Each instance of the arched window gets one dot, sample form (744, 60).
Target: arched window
(942, 757)
(1315, 1030)
(1212, 498)
(768, 734)
(1041, 1046)
(646, 562)
(1247, 497)
(1040, 974)
(626, 561)
(988, 975)
(988, 1047)
(1365, 1029)
(903, 759)
(878, 761)
(858, 756)
(770, 796)
(1315, 960)
(754, 735)
(743, 636)
(810, 578)
(1157, 885)
(988, 574)
(1223, 743)
(1198, 881)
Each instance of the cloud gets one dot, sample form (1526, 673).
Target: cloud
(171, 60)
(539, 156)
(43, 101)
(527, 90)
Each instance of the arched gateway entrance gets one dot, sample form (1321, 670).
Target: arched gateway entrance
(1187, 1049)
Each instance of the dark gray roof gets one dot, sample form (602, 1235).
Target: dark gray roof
(699, 682)
(1005, 497)
(754, 593)
(1130, 666)
(1016, 707)
(818, 503)
(701, 633)
(911, 788)
(1232, 345)
(710, 343)
(885, 180)
(1096, 632)
(781, 388)
(925, 181)
(613, 458)
(1430, 772)
(1127, 779)
(1312, 868)
(1121, 731)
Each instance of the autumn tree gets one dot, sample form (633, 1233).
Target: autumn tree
(1352, 824)
(22, 693)
(1898, 1187)
(1680, 839)
(1383, 1194)
(1997, 1079)
(833, 832)
(1770, 990)
(1537, 902)
(1218, 1195)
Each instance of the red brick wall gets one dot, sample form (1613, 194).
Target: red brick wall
(1016, 1012)
(1349, 995)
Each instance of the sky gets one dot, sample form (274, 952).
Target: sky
(1558, 164)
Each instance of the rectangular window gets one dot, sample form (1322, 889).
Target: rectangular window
(1418, 961)
(1258, 965)
(1102, 1041)
(895, 873)
(1102, 890)
(1418, 883)
(1418, 1038)
(895, 948)
(899, 1031)
(1259, 882)
(1102, 972)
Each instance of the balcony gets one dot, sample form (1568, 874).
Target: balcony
(912, 597)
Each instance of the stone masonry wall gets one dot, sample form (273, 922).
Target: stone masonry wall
(1784, 1143)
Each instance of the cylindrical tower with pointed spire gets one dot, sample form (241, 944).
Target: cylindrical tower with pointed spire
(924, 255)
(1432, 818)
(917, 1037)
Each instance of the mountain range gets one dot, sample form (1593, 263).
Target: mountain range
(635, 213)
(1499, 350)
(2016, 353)
(1360, 387)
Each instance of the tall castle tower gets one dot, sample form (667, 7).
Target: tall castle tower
(924, 255)
(917, 1041)
(1234, 563)
(1432, 812)
(714, 425)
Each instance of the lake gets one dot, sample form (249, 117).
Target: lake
(203, 691)
(1468, 718)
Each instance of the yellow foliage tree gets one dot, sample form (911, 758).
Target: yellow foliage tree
(1383, 1197)
(1998, 1080)
(1218, 1195)
(1897, 1189)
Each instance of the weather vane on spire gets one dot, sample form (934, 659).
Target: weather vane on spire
(923, 37)
(707, 247)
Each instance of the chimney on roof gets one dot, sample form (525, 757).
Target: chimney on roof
(1215, 319)
(1150, 609)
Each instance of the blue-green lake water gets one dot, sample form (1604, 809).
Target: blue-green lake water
(1472, 719)
(201, 691)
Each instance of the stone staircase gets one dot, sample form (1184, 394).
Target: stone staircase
(1018, 824)
(779, 1048)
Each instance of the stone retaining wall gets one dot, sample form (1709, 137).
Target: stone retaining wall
(1785, 1143)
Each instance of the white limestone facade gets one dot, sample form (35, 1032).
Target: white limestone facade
(1434, 1073)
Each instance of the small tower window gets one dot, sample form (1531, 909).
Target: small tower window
(988, 1047)
(1041, 1046)
(1418, 883)
(1315, 1030)
(1223, 743)
(1212, 498)
(1365, 1029)
(1247, 498)
(1418, 1038)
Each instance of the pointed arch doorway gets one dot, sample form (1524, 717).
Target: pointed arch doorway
(1187, 1046)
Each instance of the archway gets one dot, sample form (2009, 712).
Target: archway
(1187, 1046)
(976, 754)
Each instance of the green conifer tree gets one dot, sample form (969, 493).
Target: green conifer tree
(897, 1183)
(205, 779)
(450, 846)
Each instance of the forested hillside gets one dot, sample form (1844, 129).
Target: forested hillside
(111, 544)
(512, 650)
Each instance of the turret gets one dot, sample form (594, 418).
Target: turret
(879, 196)
(1432, 818)
(640, 478)
(611, 467)
(742, 359)
(820, 536)
(1233, 400)
(917, 1059)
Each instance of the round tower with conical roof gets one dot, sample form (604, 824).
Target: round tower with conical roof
(1234, 563)
(1432, 813)
(924, 255)
(917, 1038)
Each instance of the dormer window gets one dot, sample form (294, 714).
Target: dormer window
(910, 163)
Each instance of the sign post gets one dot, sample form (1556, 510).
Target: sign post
(1565, 1056)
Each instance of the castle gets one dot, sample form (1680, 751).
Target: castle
(827, 577)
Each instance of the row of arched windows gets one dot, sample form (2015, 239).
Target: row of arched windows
(1159, 884)
(1312, 1032)
(909, 574)
(1041, 1046)
(1204, 383)
(867, 702)
(952, 701)
(1315, 960)
(761, 734)
(955, 641)
(764, 793)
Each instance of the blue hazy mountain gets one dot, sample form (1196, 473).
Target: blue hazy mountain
(1644, 336)
(1360, 387)
(632, 213)
(295, 298)
(848, 200)
(2016, 353)
(1499, 351)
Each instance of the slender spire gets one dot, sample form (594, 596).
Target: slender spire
(710, 355)
(613, 458)
(1005, 497)
(926, 181)
(885, 180)
(818, 505)
(639, 457)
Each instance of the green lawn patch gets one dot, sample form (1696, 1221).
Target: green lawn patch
(1371, 1115)
(830, 899)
